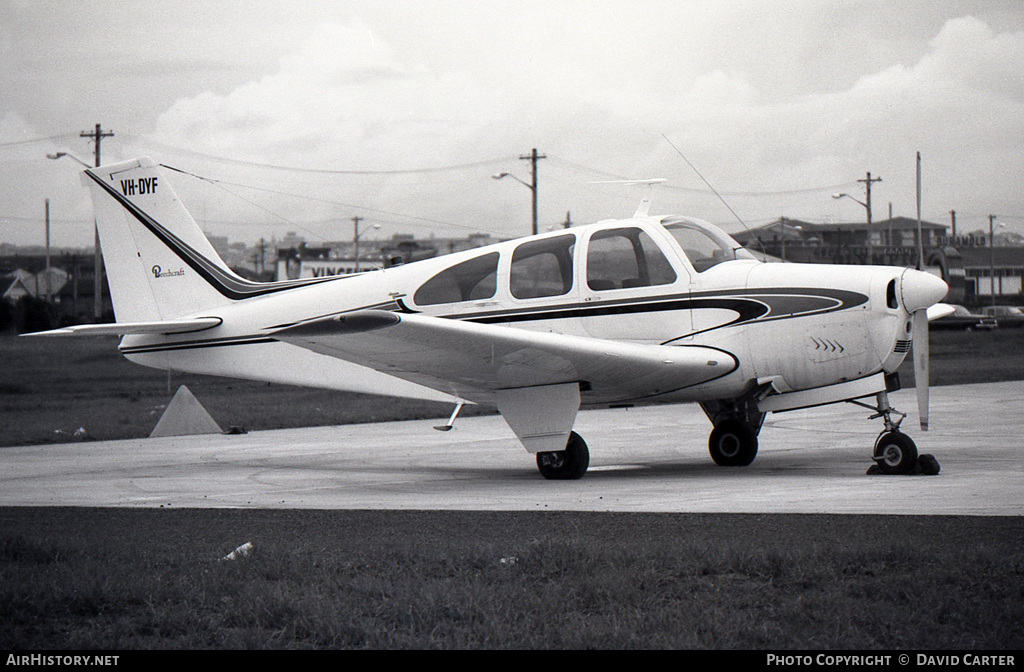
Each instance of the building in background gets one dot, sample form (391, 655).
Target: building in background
(303, 261)
(966, 263)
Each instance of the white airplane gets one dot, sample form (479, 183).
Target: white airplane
(621, 312)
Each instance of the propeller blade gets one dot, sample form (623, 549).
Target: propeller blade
(920, 349)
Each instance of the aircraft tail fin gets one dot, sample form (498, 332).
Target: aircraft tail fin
(159, 264)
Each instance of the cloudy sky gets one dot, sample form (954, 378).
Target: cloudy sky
(297, 116)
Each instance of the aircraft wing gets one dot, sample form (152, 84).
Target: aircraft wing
(122, 328)
(473, 361)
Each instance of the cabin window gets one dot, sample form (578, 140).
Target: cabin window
(700, 248)
(467, 281)
(625, 258)
(542, 267)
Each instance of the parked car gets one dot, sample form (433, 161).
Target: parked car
(964, 319)
(1006, 316)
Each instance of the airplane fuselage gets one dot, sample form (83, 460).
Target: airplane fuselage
(795, 326)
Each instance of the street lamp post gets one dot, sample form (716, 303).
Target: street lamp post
(531, 187)
(356, 235)
(992, 254)
(98, 278)
(867, 206)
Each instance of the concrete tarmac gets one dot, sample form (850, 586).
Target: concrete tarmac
(642, 459)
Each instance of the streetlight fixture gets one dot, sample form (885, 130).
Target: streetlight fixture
(531, 187)
(356, 235)
(838, 196)
(61, 155)
(867, 206)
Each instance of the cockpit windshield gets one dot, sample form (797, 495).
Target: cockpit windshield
(705, 245)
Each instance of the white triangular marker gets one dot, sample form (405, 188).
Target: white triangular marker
(185, 416)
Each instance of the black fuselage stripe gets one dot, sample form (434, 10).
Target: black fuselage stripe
(748, 310)
(750, 305)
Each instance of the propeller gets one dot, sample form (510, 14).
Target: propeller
(920, 352)
(919, 291)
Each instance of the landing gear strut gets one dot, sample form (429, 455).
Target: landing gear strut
(895, 452)
(568, 464)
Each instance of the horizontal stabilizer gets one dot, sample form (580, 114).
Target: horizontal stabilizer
(123, 328)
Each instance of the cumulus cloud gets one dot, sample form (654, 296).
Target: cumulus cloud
(342, 100)
(346, 99)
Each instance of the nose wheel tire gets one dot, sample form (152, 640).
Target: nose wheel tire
(733, 443)
(895, 453)
(568, 464)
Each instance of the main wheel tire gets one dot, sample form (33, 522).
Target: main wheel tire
(733, 443)
(895, 453)
(568, 464)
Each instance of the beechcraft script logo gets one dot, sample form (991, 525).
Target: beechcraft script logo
(158, 272)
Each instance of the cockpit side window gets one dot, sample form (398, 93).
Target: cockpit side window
(468, 281)
(703, 250)
(542, 267)
(625, 258)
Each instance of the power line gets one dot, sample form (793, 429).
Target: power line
(331, 171)
(50, 138)
(693, 190)
(220, 185)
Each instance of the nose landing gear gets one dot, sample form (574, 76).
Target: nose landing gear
(895, 452)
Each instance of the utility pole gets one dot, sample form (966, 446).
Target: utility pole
(920, 236)
(532, 157)
(867, 182)
(952, 217)
(97, 137)
(97, 311)
(992, 255)
(568, 220)
(48, 296)
(355, 239)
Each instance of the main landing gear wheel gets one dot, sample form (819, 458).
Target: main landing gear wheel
(733, 443)
(895, 453)
(568, 464)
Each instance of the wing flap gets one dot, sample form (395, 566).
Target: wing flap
(473, 361)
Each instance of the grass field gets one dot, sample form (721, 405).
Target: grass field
(75, 578)
(127, 579)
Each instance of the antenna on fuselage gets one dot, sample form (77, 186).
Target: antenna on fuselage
(715, 191)
(644, 208)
